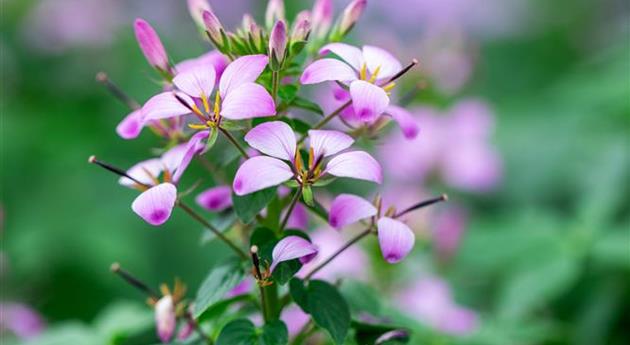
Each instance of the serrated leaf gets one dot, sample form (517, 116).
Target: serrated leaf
(243, 332)
(248, 206)
(221, 279)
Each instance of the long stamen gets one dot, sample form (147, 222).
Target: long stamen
(363, 72)
(422, 204)
(403, 71)
(115, 170)
(206, 105)
(217, 106)
(116, 91)
(193, 108)
(374, 75)
(135, 282)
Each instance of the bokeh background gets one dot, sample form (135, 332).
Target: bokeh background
(536, 238)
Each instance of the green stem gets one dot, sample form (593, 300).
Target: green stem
(327, 119)
(234, 142)
(294, 201)
(275, 81)
(213, 229)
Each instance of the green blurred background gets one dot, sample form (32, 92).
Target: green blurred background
(546, 257)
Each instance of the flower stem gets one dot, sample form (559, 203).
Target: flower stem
(294, 201)
(327, 119)
(348, 244)
(275, 81)
(234, 142)
(214, 230)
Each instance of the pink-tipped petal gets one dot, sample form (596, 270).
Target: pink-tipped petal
(197, 81)
(150, 44)
(248, 101)
(166, 105)
(395, 239)
(215, 199)
(156, 204)
(350, 54)
(405, 120)
(379, 58)
(212, 59)
(274, 138)
(368, 100)
(194, 146)
(144, 172)
(260, 172)
(289, 248)
(165, 318)
(131, 126)
(356, 164)
(347, 209)
(245, 69)
(327, 70)
(327, 143)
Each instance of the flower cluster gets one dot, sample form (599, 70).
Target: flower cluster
(277, 160)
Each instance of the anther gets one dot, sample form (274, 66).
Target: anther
(256, 261)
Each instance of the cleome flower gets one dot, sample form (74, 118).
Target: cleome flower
(277, 141)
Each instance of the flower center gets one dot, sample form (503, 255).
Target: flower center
(363, 73)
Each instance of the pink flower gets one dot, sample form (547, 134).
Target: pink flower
(20, 320)
(151, 45)
(215, 199)
(395, 238)
(165, 318)
(322, 17)
(351, 16)
(277, 140)
(278, 40)
(196, 9)
(292, 247)
(449, 227)
(295, 319)
(364, 71)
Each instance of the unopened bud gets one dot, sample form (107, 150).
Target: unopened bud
(351, 16)
(196, 9)
(150, 44)
(274, 13)
(165, 318)
(301, 27)
(322, 17)
(213, 28)
(278, 44)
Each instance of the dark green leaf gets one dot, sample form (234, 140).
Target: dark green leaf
(274, 333)
(248, 206)
(266, 240)
(221, 279)
(286, 270)
(368, 333)
(243, 332)
(305, 104)
(298, 293)
(361, 298)
(287, 92)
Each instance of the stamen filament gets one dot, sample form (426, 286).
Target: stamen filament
(116, 91)
(403, 71)
(137, 283)
(422, 204)
(115, 170)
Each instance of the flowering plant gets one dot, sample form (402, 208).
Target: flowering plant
(271, 170)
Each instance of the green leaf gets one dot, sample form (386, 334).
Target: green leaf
(248, 206)
(325, 304)
(287, 92)
(221, 279)
(266, 240)
(243, 332)
(361, 298)
(212, 138)
(368, 333)
(231, 125)
(286, 270)
(307, 195)
(305, 104)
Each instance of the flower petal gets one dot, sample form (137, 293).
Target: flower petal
(165, 105)
(289, 248)
(368, 100)
(350, 54)
(259, 173)
(395, 239)
(247, 101)
(245, 69)
(298, 218)
(274, 138)
(197, 81)
(173, 157)
(193, 147)
(131, 126)
(212, 58)
(327, 70)
(165, 318)
(327, 143)
(215, 199)
(355, 164)
(150, 44)
(379, 58)
(347, 209)
(406, 121)
(144, 172)
(156, 204)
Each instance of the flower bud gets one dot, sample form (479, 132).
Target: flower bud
(165, 318)
(196, 9)
(213, 28)
(278, 44)
(253, 31)
(301, 27)
(322, 17)
(274, 13)
(150, 44)
(351, 15)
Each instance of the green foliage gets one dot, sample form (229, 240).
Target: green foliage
(243, 332)
(221, 279)
(248, 206)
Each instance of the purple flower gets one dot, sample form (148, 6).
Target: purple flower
(322, 17)
(213, 27)
(292, 247)
(151, 45)
(449, 227)
(277, 140)
(295, 319)
(196, 9)
(278, 40)
(351, 16)
(215, 199)
(364, 71)
(431, 302)
(395, 238)
(301, 27)
(20, 320)
(165, 318)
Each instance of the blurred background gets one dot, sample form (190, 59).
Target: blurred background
(524, 114)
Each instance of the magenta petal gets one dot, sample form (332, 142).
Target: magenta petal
(274, 138)
(327, 70)
(355, 164)
(379, 58)
(395, 239)
(165, 105)
(350, 54)
(327, 143)
(165, 318)
(144, 172)
(260, 172)
(245, 69)
(197, 81)
(248, 101)
(150, 44)
(289, 248)
(298, 218)
(195, 146)
(131, 126)
(347, 209)
(215, 199)
(368, 100)
(155, 204)
(406, 121)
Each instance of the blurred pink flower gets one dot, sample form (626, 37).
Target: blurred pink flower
(448, 229)
(20, 320)
(430, 301)
(295, 319)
